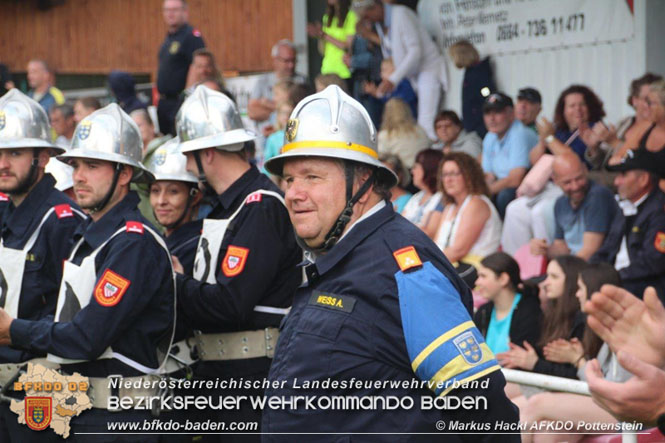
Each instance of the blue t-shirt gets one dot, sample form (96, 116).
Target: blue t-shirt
(274, 144)
(404, 91)
(512, 151)
(400, 202)
(595, 214)
(498, 331)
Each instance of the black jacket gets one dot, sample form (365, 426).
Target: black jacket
(562, 369)
(646, 246)
(476, 78)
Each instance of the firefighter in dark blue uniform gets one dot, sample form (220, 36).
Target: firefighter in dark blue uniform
(380, 304)
(635, 243)
(115, 310)
(245, 269)
(37, 223)
(174, 197)
(175, 56)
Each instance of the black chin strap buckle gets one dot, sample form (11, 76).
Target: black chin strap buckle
(207, 189)
(105, 201)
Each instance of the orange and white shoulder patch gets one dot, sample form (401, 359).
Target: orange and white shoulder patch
(407, 258)
(110, 288)
(4, 197)
(659, 242)
(234, 260)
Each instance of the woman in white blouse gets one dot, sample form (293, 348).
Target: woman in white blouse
(424, 173)
(469, 228)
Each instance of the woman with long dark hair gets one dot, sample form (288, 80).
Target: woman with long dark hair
(556, 406)
(562, 319)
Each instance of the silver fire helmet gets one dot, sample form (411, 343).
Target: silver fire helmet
(111, 135)
(209, 119)
(168, 163)
(24, 123)
(331, 124)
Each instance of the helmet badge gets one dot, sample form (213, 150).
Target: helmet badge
(291, 129)
(84, 129)
(160, 156)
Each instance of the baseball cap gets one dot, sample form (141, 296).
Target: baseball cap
(643, 159)
(529, 94)
(497, 102)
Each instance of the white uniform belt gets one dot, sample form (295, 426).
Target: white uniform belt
(128, 387)
(236, 345)
(9, 370)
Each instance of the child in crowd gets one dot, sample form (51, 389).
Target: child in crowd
(513, 312)
(403, 90)
(280, 94)
(275, 141)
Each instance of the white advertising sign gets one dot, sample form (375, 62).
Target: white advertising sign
(504, 26)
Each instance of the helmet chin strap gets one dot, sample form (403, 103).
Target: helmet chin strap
(344, 217)
(24, 186)
(207, 188)
(109, 194)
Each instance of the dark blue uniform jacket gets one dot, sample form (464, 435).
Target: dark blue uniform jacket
(140, 321)
(43, 266)
(269, 278)
(383, 305)
(645, 241)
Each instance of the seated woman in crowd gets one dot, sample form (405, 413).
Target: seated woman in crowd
(562, 318)
(652, 134)
(577, 110)
(400, 134)
(513, 312)
(424, 173)
(602, 142)
(454, 138)
(399, 196)
(557, 406)
(469, 227)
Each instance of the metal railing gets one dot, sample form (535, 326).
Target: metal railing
(552, 383)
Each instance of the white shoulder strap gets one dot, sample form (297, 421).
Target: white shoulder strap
(260, 191)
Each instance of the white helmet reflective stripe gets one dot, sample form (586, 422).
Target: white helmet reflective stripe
(109, 134)
(24, 123)
(331, 124)
(209, 119)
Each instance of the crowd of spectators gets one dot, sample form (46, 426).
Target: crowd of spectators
(496, 175)
(585, 195)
